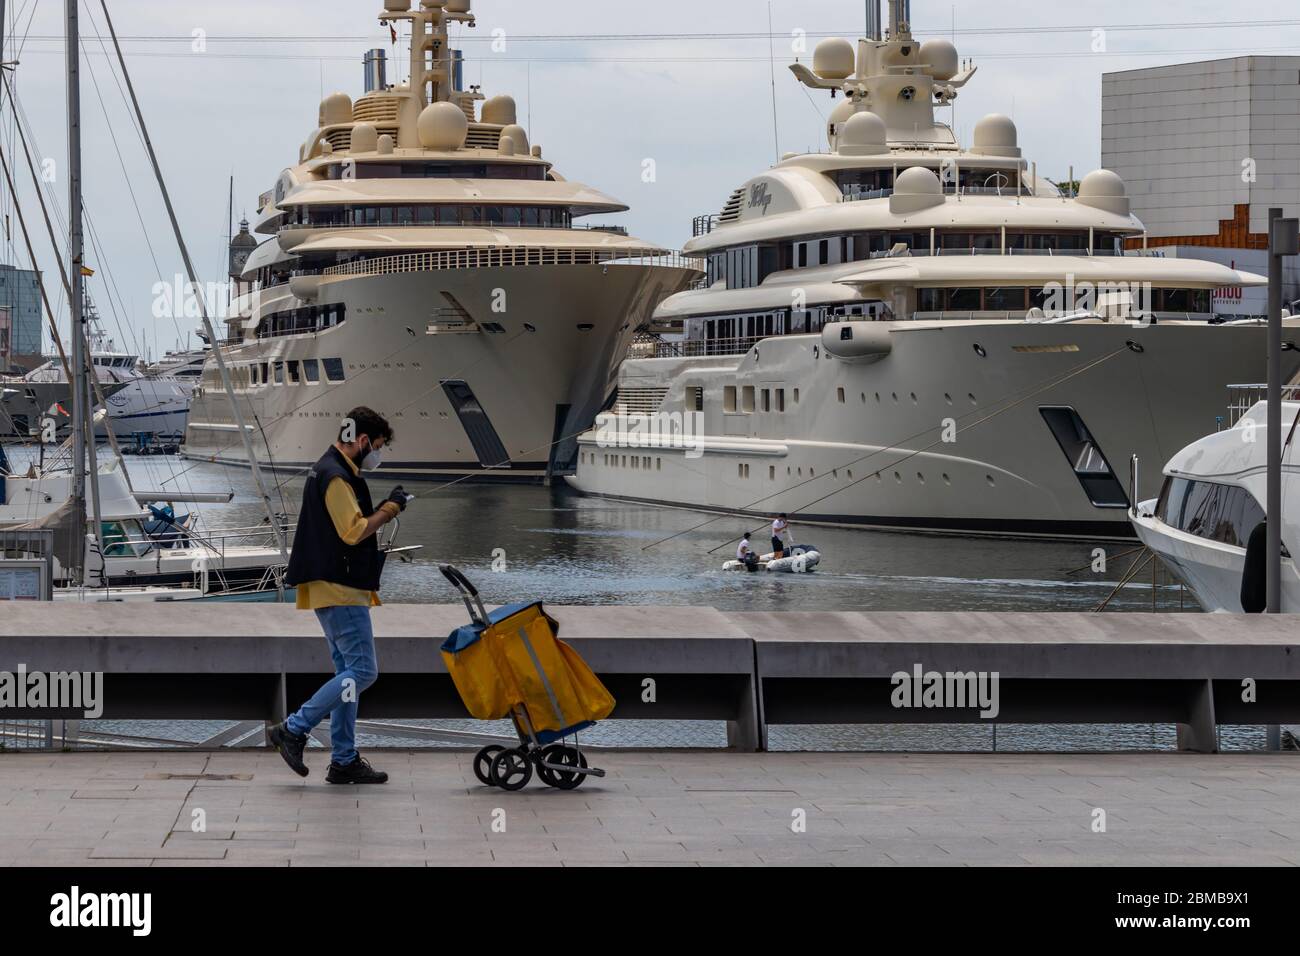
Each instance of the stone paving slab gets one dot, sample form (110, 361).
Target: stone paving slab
(674, 808)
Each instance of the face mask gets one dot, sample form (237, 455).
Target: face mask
(373, 459)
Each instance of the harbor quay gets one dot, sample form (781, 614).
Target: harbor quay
(683, 808)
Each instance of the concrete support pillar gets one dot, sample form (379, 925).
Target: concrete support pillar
(1198, 734)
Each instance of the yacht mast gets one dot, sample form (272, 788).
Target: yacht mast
(224, 370)
(76, 253)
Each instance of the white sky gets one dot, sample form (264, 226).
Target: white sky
(702, 109)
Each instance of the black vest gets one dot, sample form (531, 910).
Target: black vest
(319, 554)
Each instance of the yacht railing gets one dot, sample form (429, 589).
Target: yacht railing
(853, 193)
(513, 256)
(1242, 398)
(703, 225)
(693, 348)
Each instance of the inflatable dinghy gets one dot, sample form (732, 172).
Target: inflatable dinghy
(801, 559)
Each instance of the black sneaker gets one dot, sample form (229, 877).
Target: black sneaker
(358, 771)
(290, 746)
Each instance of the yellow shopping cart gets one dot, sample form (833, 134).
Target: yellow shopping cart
(510, 663)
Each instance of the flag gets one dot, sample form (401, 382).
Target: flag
(392, 29)
(87, 272)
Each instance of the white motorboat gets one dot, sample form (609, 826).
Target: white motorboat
(1211, 505)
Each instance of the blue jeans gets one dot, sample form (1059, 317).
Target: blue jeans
(352, 646)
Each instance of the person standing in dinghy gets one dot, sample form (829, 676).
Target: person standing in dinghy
(780, 536)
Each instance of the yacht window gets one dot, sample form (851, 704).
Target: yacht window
(426, 215)
(266, 378)
(333, 369)
(278, 373)
(824, 252)
(1223, 513)
(294, 377)
(964, 300)
(694, 398)
(512, 216)
(729, 398)
(767, 400)
(311, 367)
(929, 300)
(1004, 300)
(448, 215)
(803, 255)
(747, 399)
(780, 399)
(530, 216)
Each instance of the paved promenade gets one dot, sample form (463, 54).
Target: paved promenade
(681, 808)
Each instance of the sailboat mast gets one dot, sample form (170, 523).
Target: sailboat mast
(222, 369)
(76, 256)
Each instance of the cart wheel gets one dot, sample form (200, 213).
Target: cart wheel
(483, 763)
(569, 757)
(511, 770)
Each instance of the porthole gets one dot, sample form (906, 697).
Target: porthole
(972, 399)
(979, 350)
(914, 398)
(894, 395)
(920, 477)
(898, 478)
(989, 479)
(946, 479)
(947, 398)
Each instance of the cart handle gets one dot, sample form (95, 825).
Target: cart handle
(468, 593)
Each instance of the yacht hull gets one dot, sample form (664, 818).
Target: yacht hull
(539, 381)
(865, 442)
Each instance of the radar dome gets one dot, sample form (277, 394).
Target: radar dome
(941, 57)
(915, 189)
(1105, 190)
(518, 134)
(506, 146)
(397, 6)
(458, 6)
(918, 181)
(500, 111)
(385, 145)
(365, 138)
(834, 59)
(862, 134)
(335, 109)
(842, 112)
(442, 126)
(995, 135)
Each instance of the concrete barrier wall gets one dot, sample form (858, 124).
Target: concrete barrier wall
(252, 662)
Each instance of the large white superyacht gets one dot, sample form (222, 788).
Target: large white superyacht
(424, 261)
(907, 334)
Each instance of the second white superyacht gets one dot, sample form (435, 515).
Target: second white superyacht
(424, 262)
(902, 333)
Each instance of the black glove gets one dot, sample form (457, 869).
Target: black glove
(398, 497)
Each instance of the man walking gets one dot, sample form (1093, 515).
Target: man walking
(336, 565)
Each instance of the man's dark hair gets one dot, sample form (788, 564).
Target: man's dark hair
(368, 422)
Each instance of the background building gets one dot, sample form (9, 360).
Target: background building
(1206, 150)
(20, 294)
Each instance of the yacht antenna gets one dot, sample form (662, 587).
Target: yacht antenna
(222, 368)
(771, 49)
(76, 252)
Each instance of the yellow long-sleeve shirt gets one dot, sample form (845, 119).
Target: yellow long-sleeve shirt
(350, 523)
